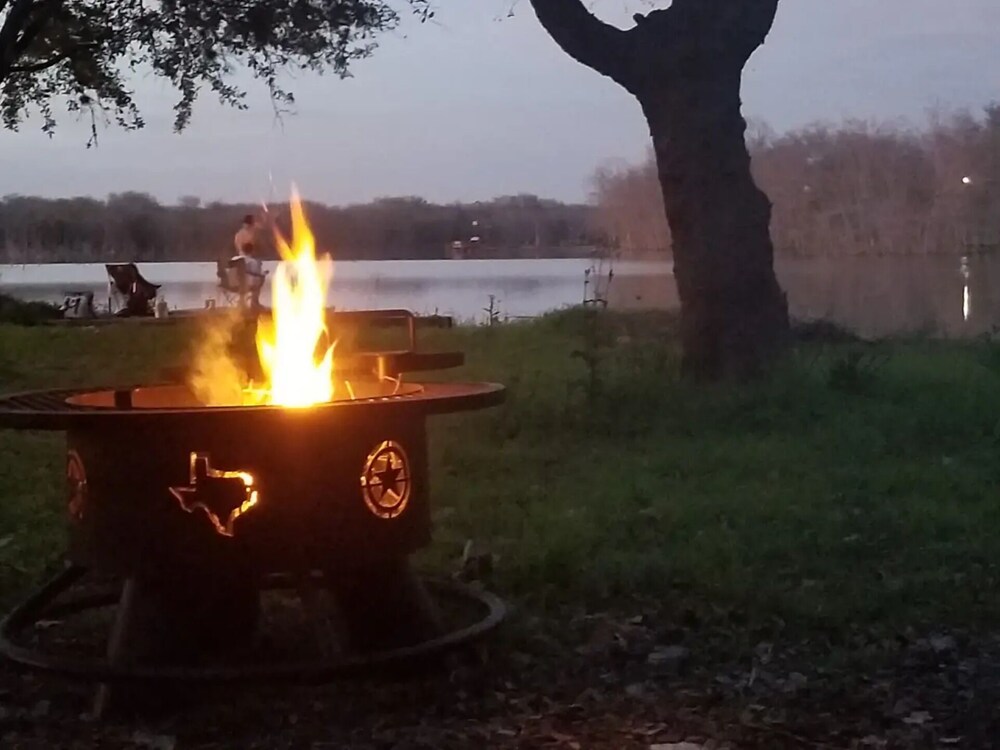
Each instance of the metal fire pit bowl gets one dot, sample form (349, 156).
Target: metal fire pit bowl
(197, 509)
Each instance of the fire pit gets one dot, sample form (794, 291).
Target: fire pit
(286, 467)
(196, 509)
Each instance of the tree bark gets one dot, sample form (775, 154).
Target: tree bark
(684, 65)
(734, 316)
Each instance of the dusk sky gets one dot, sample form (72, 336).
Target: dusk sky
(477, 104)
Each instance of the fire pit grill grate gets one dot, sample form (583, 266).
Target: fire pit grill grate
(42, 401)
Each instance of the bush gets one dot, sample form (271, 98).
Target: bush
(822, 332)
(854, 370)
(19, 312)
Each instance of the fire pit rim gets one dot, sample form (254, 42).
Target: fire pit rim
(49, 409)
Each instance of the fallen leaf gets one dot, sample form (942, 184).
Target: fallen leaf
(154, 741)
(796, 681)
(636, 690)
(41, 709)
(669, 660)
(917, 718)
(563, 740)
(942, 643)
(872, 741)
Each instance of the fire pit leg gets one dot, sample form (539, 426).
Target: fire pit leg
(188, 620)
(104, 700)
(384, 606)
(328, 629)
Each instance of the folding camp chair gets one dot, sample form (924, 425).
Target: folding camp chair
(238, 285)
(129, 294)
(78, 305)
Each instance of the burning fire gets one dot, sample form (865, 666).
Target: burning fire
(294, 345)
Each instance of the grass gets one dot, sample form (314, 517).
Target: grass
(857, 487)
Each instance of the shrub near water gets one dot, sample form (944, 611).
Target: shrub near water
(19, 312)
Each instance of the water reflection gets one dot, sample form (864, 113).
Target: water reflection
(966, 294)
(942, 295)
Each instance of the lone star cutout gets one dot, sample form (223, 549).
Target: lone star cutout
(385, 481)
(220, 494)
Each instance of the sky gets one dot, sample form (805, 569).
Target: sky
(479, 103)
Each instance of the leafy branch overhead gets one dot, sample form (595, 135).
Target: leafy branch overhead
(80, 54)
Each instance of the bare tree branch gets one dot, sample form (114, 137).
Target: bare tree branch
(717, 31)
(756, 17)
(587, 39)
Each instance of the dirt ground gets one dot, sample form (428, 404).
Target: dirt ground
(616, 681)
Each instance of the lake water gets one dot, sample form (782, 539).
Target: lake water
(461, 288)
(876, 296)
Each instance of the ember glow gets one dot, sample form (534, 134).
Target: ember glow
(295, 349)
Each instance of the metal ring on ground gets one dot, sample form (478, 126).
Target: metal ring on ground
(41, 603)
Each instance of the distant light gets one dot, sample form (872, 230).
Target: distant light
(966, 180)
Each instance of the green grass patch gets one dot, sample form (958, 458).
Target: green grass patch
(847, 489)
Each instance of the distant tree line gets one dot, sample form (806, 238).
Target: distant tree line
(134, 226)
(856, 189)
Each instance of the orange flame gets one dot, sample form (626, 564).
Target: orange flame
(295, 349)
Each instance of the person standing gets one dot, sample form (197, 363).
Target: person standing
(246, 258)
(246, 240)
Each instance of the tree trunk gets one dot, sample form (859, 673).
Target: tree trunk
(684, 64)
(734, 316)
